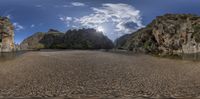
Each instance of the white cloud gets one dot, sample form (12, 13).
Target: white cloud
(41, 24)
(74, 26)
(8, 16)
(63, 6)
(67, 20)
(66, 6)
(38, 6)
(32, 26)
(119, 15)
(17, 26)
(79, 4)
(63, 18)
(72, 4)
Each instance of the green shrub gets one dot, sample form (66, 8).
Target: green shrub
(148, 45)
(196, 33)
(58, 46)
(39, 46)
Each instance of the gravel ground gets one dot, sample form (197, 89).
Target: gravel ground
(97, 75)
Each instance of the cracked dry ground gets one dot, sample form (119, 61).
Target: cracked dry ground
(96, 74)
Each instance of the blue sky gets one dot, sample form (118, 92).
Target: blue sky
(113, 17)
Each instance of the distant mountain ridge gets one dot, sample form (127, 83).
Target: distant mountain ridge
(72, 39)
(168, 34)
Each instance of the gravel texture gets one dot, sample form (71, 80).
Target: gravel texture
(97, 75)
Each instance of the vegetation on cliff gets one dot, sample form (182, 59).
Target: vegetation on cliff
(6, 35)
(168, 34)
(121, 41)
(72, 39)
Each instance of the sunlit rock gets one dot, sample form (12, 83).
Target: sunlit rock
(6, 35)
(167, 35)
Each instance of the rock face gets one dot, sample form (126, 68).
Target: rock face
(168, 34)
(87, 39)
(6, 35)
(72, 39)
(121, 41)
(33, 42)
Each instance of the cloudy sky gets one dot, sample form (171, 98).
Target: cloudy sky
(113, 17)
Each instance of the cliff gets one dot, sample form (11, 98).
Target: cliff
(121, 41)
(168, 34)
(6, 35)
(72, 39)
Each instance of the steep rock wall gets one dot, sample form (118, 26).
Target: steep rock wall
(6, 35)
(168, 34)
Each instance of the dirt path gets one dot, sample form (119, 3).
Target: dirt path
(97, 74)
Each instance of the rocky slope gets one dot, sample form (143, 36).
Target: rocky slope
(72, 39)
(87, 39)
(121, 41)
(168, 34)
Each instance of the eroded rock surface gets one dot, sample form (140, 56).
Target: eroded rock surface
(72, 39)
(168, 34)
(6, 35)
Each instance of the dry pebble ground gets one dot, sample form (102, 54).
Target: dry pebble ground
(97, 75)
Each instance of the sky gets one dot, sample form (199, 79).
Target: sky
(112, 17)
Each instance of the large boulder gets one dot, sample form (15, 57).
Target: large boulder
(168, 34)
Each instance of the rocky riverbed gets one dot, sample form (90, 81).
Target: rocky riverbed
(97, 75)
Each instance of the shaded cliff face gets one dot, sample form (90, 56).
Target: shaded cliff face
(121, 41)
(168, 34)
(72, 39)
(87, 39)
(6, 35)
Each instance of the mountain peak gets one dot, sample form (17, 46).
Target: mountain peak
(53, 30)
